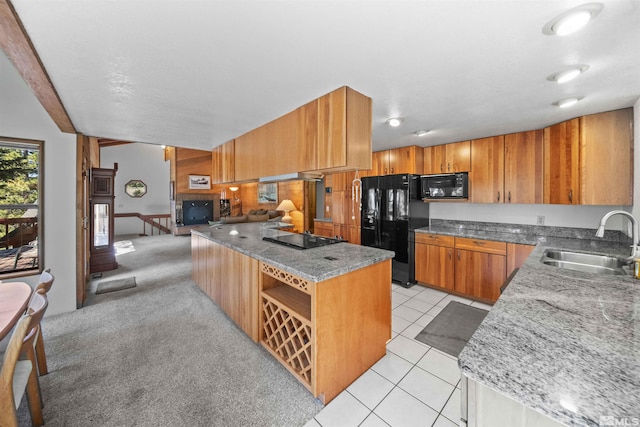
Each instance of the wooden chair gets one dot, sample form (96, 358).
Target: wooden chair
(14, 374)
(37, 306)
(43, 287)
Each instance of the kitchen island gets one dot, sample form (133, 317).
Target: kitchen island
(324, 313)
(560, 347)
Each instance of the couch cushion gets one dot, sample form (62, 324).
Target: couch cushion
(258, 218)
(233, 219)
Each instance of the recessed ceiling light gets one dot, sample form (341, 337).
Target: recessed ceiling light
(572, 20)
(421, 132)
(567, 102)
(394, 121)
(568, 74)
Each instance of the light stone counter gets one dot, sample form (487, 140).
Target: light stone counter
(564, 343)
(316, 264)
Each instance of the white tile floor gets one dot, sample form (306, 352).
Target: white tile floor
(414, 384)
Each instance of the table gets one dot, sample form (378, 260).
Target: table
(14, 297)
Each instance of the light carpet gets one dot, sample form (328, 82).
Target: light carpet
(162, 354)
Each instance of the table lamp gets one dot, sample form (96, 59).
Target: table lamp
(286, 206)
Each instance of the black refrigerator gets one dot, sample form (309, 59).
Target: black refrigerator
(392, 209)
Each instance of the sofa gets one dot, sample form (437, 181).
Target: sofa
(254, 215)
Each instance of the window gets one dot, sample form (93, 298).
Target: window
(20, 206)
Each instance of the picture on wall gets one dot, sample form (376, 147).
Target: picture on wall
(199, 182)
(268, 193)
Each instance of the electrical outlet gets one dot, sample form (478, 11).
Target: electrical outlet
(540, 220)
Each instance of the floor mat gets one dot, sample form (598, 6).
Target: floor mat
(451, 329)
(116, 285)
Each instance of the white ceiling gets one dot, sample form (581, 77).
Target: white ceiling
(199, 73)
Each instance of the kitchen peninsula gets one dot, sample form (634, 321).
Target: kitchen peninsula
(324, 312)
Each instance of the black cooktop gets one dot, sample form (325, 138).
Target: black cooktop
(302, 241)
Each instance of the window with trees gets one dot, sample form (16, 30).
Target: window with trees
(20, 206)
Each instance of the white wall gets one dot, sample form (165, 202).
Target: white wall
(636, 159)
(146, 163)
(22, 116)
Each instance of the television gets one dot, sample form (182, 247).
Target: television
(197, 211)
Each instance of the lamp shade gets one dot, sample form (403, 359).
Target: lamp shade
(286, 205)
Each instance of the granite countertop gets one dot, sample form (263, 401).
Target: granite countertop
(562, 342)
(315, 264)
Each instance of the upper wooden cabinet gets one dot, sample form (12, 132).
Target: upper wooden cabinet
(606, 157)
(222, 160)
(486, 178)
(561, 163)
(447, 158)
(398, 160)
(331, 133)
(589, 160)
(523, 175)
(344, 130)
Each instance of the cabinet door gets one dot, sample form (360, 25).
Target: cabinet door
(517, 254)
(606, 156)
(380, 161)
(307, 136)
(406, 160)
(486, 178)
(438, 268)
(458, 157)
(479, 274)
(561, 163)
(339, 207)
(332, 149)
(226, 162)
(523, 167)
(216, 165)
(434, 159)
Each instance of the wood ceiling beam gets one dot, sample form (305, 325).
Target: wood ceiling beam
(16, 44)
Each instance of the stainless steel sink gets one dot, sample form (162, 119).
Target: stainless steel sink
(588, 263)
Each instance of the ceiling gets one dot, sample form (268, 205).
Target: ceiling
(199, 73)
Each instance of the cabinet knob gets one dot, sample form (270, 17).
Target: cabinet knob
(391, 170)
(441, 168)
(498, 196)
(458, 255)
(509, 199)
(570, 196)
(449, 253)
(448, 167)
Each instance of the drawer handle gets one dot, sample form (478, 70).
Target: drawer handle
(571, 196)
(478, 242)
(509, 196)
(449, 253)
(498, 196)
(458, 255)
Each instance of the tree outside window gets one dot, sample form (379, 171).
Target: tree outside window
(20, 206)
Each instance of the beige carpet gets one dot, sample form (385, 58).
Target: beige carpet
(162, 354)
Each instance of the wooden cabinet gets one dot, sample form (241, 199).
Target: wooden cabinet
(447, 158)
(486, 178)
(222, 160)
(471, 267)
(589, 160)
(480, 267)
(523, 176)
(326, 333)
(561, 163)
(606, 158)
(322, 228)
(398, 160)
(517, 254)
(434, 263)
(343, 130)
(230, 279)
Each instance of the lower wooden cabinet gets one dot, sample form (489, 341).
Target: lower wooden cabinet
(322, 228)
(471, 267)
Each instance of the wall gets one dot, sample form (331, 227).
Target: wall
(636, 159)
(146, 163)
(22, 116)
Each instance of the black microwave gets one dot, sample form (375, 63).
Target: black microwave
(445, 186)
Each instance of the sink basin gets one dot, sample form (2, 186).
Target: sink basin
(588, 263)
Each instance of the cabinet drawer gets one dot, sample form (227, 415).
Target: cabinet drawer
(435, 239)
(478, 245)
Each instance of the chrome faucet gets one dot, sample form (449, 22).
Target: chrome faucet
(634, 222)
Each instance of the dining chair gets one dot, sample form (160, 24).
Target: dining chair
(14, 374)
(43, 287)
